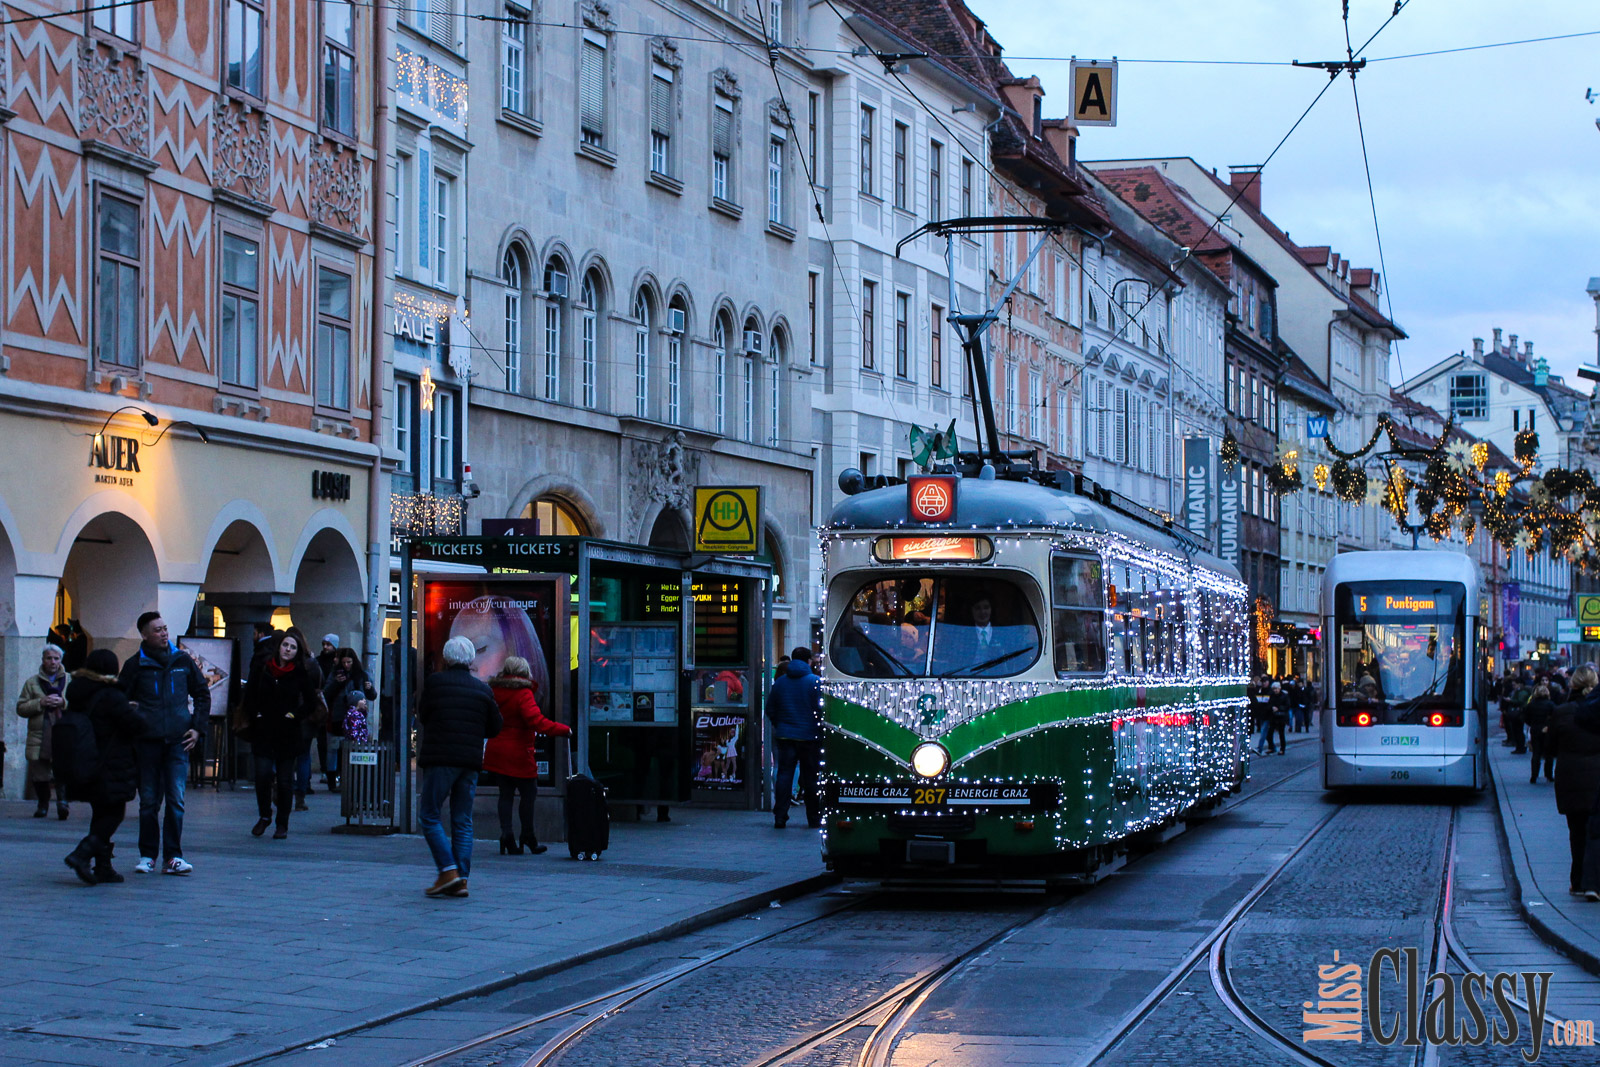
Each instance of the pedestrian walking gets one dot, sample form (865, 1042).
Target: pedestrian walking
(1305, 702)
(280, 702)
(1536, 715)
(41, 703)
(1511, 715)
(1260, 696)
(457, 712)
(309, 729)
(1577, 780)
(1280, 709)
(795, 707)
(175, 704)
(114, 780)
(327, 747)
(510, 753)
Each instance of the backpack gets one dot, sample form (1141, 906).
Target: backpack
(74, 752)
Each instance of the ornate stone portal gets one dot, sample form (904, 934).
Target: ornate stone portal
(665, 473)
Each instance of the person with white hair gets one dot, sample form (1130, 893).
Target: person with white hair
(41, 703)
(457, 712)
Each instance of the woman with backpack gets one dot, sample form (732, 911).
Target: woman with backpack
(282, 700)
(41, 703)
(106, 774)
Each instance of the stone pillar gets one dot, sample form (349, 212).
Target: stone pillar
(19, 657)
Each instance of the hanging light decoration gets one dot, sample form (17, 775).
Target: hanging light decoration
(1230, 449)
(1320, 474)
(1480, 454)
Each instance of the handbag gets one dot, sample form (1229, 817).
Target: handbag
(239, 722)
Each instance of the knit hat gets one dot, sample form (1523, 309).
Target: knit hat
(332, 639)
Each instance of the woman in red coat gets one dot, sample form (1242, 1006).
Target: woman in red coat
(510, 753)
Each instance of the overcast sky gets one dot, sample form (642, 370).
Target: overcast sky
(1486, 164)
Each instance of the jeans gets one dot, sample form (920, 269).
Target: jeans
(274, 775)
(509, 789)
(1542, 752)
(452, 851)
(163, 773)
(302, 772)
(808, 755)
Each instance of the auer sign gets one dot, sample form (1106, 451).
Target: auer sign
(108, 452)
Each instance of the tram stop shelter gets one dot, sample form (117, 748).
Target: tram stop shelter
(655, 658)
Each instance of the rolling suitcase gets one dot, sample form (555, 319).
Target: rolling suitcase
(588, 818)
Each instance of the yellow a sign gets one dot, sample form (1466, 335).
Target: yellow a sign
(1094, 92)
(1589, 611)
(727, 519)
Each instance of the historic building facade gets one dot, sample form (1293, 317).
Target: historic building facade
(634, 275)
(186, 372)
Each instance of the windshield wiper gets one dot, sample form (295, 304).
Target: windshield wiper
(905, 671)
(988, 663)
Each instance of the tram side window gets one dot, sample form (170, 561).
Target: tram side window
(1077, 608)
(1128, 620)
(1177, 633)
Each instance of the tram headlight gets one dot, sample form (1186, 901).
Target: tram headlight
(930, 760)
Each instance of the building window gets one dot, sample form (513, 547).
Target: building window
(1011, 397)
(244, 45)
(747, 391)
(936, 347)
(1469, 396)
(813, 123)
(869, 298)
(1035, 404)
(722, 147)
(719, 356)
(511, 274)
(902, 335)
(675, 366)
(117, 288)
(444, 191)
(592, 89)
(555, 287)
(339, 66)
(514, 60)
(241, 314)
(403, 421)
(661, 108)
(775, 146)
(774, 385)
(813, 280)
(966, 187)
(589, 340)
(333, 339)
(935, 181)
(119, 21)
(553, 518)
(868, 117)
(641, 355)
(902, 182)
(1119, 436)
(445, 470)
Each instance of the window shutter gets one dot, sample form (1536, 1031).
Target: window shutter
(722, 128)
(1120, 433)
(661, 102)
(442, 22)
(591, 86)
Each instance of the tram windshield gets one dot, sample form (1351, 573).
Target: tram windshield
(936, 626)
(1401, 647)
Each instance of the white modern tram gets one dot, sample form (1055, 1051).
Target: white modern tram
(1404, 680)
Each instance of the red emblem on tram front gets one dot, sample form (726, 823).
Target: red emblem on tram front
(931, 498)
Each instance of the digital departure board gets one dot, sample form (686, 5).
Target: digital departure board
(719, 622)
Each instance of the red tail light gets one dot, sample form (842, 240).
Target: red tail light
(1436, 719)
(1356, 718)
(1364, 719)
(1444, 718)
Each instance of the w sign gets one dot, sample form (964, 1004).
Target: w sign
(1316, 426)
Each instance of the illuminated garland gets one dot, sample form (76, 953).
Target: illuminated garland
(442, 91)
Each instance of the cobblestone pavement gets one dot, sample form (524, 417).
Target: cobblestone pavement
(273, 944)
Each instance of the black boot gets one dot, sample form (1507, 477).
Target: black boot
(104, 873)
(509, 846)
(532, 844)
(78, 859)
(42, 791)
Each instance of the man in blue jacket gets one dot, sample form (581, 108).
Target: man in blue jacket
(164, 682)
(795, 707)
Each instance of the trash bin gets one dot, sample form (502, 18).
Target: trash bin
(367, 782)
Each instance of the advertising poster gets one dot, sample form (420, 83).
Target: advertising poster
(214, 657)
(501, 619)
(633, 673)
(1511, 620)
(1197, 484)
(721, 714)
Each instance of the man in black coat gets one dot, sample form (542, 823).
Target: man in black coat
(458, 713)
(795, 707)
(117, 728)
(175, 702)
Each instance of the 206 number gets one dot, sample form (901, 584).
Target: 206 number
(1399, 776)
(930, 797)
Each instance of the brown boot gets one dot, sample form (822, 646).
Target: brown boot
(446, 881)
(457, 890)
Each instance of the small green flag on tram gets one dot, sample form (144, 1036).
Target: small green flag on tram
(928, 446)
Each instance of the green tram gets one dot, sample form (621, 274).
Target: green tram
(1021, 674)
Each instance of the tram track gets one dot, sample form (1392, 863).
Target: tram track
(889, 1014)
